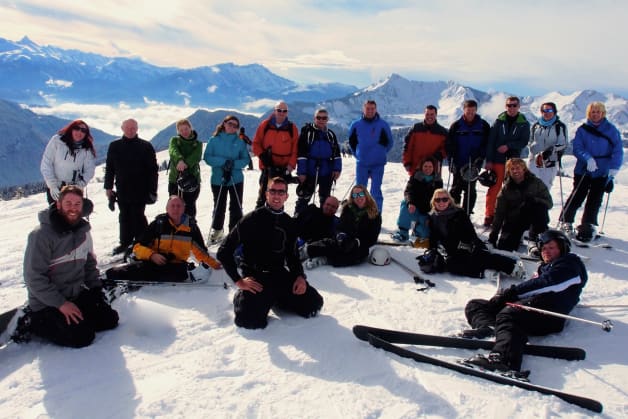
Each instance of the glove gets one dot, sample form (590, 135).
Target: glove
(267, 157)
(591, 165)
(54, 193)
(502, 297)
(112, 201)
(152, 198)
(547, 153)
(608, 188)
(492, 239)
(226, 171)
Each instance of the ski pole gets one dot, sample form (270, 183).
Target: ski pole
(449, 171)
(606, 325)
(570, 200)
(608, 197)
(560, 184)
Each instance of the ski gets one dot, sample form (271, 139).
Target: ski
(116, 288)
(14, 326)
(418, 278)
(394, 336)
(393, 243)
(581, 401)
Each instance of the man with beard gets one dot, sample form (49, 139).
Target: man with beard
(64, 291)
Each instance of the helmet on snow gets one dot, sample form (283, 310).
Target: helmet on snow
(558, 236)
(487, 178)
(379, 256)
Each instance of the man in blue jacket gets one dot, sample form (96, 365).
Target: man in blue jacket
(555, 287)
(600, 154)
(370, 139)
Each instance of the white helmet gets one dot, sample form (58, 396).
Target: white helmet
(379, 256)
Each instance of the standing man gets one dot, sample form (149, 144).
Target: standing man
(425, 139)
(132, 163)
(509, 136)
(466, 147)
(275, 144)
(64, 292)
(370, 139)
(318, 160)
(271, 272)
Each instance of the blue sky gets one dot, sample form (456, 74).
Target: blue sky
(529, 47)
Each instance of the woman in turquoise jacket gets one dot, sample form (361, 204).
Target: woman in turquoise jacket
(227, 155)
(185, 152)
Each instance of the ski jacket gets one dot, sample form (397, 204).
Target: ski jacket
(550, 140)
(467, 141)
(313, 225)
(268, 243)
(176, 242)
(318, 151)
(60, 164)
(513, 197)
(453, 230)
(221, 148)
(187, 149)
(516, 137)
(355, 223)
(423, 141)
(370, 140)
(59, 261)
(607, 152)
(556, 285)
(419, 190)
(282, 140)
(132, 163)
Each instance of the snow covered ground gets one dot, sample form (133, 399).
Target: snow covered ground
(176, 352)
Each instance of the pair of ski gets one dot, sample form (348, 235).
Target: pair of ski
(388, 339)
(116, 288)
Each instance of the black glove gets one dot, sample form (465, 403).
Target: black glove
(492, 238)
(267, 157)
(152, 198)
(609, 185)
(502, 297)
(227, 169)
(547, 153)
(112, 201)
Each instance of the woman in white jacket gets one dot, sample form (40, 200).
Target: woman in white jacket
(548, 139)
(68, 159)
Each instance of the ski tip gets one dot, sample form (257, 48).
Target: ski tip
(361, 332)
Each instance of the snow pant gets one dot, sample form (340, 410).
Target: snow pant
(148, 271)
(546, 174)
(188, 197)
(345, 253)
(458, 186)
(376, 174)
(251, 310)
(132, 222)
(405, 220)
(220, 193)
(269, 173)
(512, 327)
(590, 188)
(324, 190)
(474, 263)
(51, 325)
(491, 194)
(534, 217)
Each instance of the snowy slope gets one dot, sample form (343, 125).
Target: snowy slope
(177, 353)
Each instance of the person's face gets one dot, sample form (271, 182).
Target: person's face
(469, 113)
(550, 251)
(129, 128)
(430, 116)
(71, 208)
(427, 168)
(517, 173)
(358, 196)
(276, 195)
(281, 113)
(596, 115)
(231, 126)
(175, 209)
(79, 132)
(370, 109)
(512, 107)
(185, 130)
(320, 120)
(547, 112)
(330, 206)
(441, 202)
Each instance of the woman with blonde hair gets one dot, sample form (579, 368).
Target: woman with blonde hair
(358, 229)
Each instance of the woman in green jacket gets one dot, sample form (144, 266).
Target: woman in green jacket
(185, 174)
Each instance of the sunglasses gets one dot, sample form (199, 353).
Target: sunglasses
(279, 192)
(441, 199)
(282, 110)
(547, 110)
(512, 105)
(83, 130)
(322, 118)
(355, 195)
(232, 124)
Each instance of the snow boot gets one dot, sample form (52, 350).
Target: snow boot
(315, 262)
(585, 232)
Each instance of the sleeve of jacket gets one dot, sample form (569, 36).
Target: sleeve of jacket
(110, 171)
(211, 151)
(353, 137)
(143, 249)
(617, 155)
(500, 212)
(92, 274)
(409, 193)
(451, 145)
(561, 275)
(407, 152)
(302, 154)
(242, 159)
(37, 259)
(47, 163)
(174, 151)
(295, 145)
(370, 231)
(89, 168)
(388, 133)
(227, 250)
(521, 140)
(258, 139)
(200, 250)
(151, 168)
(335, 149)
(542, 194)
(491, 147)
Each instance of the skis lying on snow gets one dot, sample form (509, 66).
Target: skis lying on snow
(596, 242)
(116, 288)
(395, 336)
(584, 402)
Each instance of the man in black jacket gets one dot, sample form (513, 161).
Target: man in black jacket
(270, 272)
(132, 163)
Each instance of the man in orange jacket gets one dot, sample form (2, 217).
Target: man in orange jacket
(425, 139)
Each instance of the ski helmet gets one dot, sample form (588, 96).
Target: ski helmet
(187, 182)
(487, 178)
(469, 173)
(559, 237)
(379, 256)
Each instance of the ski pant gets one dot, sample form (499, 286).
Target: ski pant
(405, 220)
(376, 174)
(347, 253)
(493, 191)
(532, 216)
(220, 193)
(188, 197)
(132, 222)
(458, 186)
(512, 327)
(473, 264)
(251, 310)
(50, 323)
(593, 190)
(324, 190)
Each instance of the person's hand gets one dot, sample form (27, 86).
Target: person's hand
(488, 166)
(299, 286)
(109, 193)
(301, 178)
(158, 259)
(249, 284)
(608, 188)
(71, 312)
(411, 208)
(502, 149)
(54, 193)
(591, 165)
(335, 175)
(181, 166)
